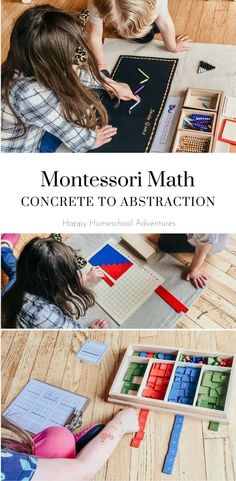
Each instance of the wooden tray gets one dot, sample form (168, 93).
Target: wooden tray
(193, 410)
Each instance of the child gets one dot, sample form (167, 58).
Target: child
(46, 98)
(137, 20)
(55, 454)
(49, 291)
(198, 244)
(8, 260)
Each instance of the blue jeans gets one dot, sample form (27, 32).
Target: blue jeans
(49, 143)
(9, 267)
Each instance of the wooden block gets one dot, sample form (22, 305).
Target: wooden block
(138, 243)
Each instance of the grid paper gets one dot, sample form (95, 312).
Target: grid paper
(130, 291)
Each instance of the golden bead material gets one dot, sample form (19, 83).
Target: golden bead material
(193, 144)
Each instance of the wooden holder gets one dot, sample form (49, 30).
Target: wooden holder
(138, 401)
(193, 95)
(184, 133)
(187, 112)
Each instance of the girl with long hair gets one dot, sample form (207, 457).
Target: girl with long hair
(133, 20)
(49, 291)
(49, 83)
(57, 454)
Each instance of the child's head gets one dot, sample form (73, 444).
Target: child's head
(130, 18)
(15, 438)
(48, 269)
(44, 44)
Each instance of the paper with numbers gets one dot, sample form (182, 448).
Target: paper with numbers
(92, 351)
(40, 405)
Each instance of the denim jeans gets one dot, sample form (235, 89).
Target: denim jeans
(9, 267)
(49, 143)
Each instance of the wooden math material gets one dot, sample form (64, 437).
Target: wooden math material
(129, 291)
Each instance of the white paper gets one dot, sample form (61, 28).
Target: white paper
(92, 351)
(230, 108)
(167, 126)
(40, 405)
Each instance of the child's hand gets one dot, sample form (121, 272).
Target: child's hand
(94, 274)
(198, 279)
(129, 419)
(182, 44)
(99, 324)
(104, 135)
(124, 91)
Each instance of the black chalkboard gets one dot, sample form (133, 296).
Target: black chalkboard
(136, 131)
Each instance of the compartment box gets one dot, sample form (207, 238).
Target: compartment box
(139, 401)
(179, 139)
(195, 98)
(185, 113)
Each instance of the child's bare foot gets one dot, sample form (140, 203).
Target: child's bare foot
(99, 324)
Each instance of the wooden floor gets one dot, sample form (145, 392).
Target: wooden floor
(203, 455)
(211, 21)
(216, 307)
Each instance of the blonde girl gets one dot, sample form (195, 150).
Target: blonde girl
(132, 19)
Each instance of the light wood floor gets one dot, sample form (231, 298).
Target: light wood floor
(216, 307)
(203, 455)
(211, 21)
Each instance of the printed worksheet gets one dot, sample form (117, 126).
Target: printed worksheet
(40, 405)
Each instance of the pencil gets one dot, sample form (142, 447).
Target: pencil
(131, 108)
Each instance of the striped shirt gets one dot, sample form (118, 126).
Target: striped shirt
(38, 313)
(41, 112)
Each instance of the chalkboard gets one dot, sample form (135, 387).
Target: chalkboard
(136, 131)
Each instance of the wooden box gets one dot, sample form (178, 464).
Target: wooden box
(183, 133)
(193, 103)
(139, 401)
(194, 99)
(185, 113)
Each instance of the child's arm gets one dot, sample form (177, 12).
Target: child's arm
(41, 108)
(194, 275)
(167, 29)
(93, 456)
(95, 31)
(122, 89)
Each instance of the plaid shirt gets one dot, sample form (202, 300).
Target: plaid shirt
(37, 313)
(41, 112)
